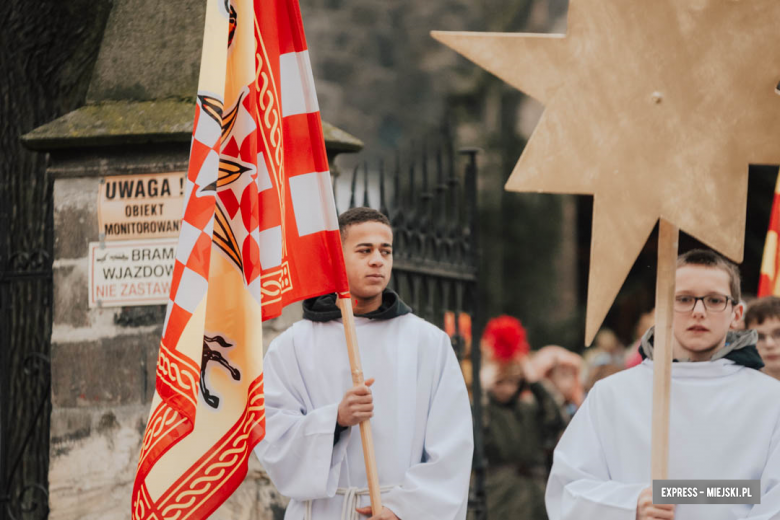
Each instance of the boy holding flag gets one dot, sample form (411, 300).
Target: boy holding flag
(422, 425)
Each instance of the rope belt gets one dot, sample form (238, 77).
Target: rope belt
(350, 502)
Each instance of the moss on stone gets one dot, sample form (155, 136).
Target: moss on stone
(116, 123)
(135, 122)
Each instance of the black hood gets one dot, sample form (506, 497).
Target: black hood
(323, 308)
(740, 348)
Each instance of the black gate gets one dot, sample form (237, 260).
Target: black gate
(25, 327)
(430, 197)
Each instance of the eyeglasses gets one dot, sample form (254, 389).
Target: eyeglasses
(712, 302)
(775, 335)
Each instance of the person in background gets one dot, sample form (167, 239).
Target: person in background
(633, 357)
(560, 371)
(606, 350)
(763, 315)
(522, 424)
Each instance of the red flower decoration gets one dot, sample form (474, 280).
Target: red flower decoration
(507, 337)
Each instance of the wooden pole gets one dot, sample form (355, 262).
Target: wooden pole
(668, 239)
(345, 304)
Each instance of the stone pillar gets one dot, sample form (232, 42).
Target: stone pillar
(137, 120)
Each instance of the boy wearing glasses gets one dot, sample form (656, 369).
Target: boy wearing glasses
(724, 415)
(763, 315)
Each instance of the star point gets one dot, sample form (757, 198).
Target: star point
(655, 108)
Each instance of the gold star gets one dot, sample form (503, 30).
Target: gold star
(656, 107)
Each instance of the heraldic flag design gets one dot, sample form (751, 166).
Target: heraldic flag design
(769, 282)
(259, 231)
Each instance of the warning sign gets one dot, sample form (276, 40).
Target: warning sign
(141, 206)
(131, 273)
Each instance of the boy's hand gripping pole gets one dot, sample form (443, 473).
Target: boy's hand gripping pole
(345, 304)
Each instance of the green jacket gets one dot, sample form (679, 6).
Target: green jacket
(519, 439)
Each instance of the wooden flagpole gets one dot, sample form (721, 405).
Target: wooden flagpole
(345, 304)
(668, 240)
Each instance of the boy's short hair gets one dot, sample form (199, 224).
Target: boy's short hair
(360, 215)
(710, 258)
(762, 309)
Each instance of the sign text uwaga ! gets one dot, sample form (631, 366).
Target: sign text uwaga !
(141, 206)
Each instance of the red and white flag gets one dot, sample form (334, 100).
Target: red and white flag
(769, 282)
(259, 231)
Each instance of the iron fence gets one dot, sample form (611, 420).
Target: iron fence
(25, 325)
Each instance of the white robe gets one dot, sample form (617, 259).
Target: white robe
(421, 427)
(723, 425)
